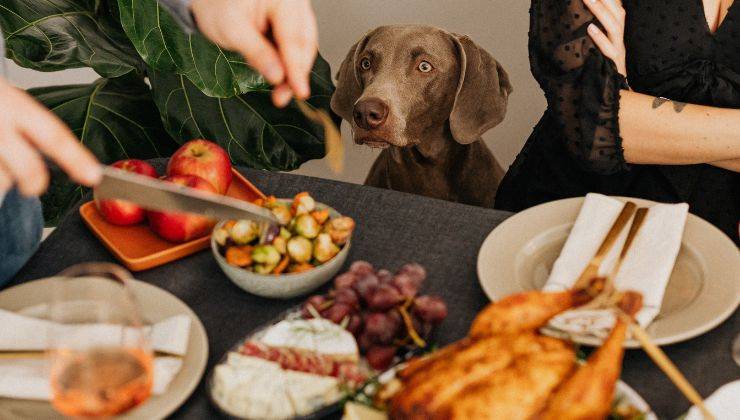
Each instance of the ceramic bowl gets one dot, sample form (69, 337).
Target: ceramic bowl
(283, 286)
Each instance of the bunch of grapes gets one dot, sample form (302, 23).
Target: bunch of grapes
(381, 309)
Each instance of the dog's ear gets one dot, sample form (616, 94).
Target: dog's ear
(482, 92)
(348, 84)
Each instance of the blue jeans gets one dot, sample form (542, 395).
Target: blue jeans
(21, 224)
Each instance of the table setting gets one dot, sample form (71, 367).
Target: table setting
(246, 308)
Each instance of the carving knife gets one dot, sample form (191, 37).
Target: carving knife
(155, 194)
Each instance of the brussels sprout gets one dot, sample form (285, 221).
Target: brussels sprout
(221, 235)
(324, 249)
(264, 268)
(285, 233)
(282, 214)
(281, 244)
(303, 203)
(266, 254)
(306, 225)
(244, 232)
(299, 249)
(340, 229)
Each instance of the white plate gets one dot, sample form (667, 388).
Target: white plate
(625, 394)
(156, 305)
(704, 288)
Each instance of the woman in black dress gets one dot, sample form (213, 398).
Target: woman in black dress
(607, 69)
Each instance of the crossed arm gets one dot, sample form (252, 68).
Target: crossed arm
(657, 130)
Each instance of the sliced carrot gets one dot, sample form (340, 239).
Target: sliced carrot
(270, 200)
(321, 216)
(239, 256)
(260, 202)
(301, 267)
(282, 265)
(228, 225)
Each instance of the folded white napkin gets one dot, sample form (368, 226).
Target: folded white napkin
(724, 403)
(24, 333)
(29, 378)
(646, 268)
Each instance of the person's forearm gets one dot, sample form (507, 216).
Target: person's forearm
(660, 131)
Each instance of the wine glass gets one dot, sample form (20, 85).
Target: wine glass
(101, 361)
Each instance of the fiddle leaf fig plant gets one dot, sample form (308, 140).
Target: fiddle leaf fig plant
(159, 87)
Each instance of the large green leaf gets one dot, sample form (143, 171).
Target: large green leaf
(51, 35)
(248, 126)
(115, 118)
(166, 47)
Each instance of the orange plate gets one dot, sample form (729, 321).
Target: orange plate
(138, 248)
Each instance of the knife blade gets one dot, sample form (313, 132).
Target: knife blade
(155, 194)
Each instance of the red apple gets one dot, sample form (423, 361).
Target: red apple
(182, 227)
(204, 159)
(120, 212)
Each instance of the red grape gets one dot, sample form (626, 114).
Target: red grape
(406, 284)
(366, 285)
(421, 327)
(345, 280)
(384, 276)
(337, 312)
(355, 324)
(380, 357)
(348, 296)
(431, 309)
(317, 301)
(361, 267)
(414, 270)
(365, 341)
(382, 327)
(384, 297)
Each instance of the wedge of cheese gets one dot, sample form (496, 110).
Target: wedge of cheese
(250, 387)
(308, 392)
(313, 335)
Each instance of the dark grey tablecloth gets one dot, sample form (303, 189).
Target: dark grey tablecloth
(393, 228)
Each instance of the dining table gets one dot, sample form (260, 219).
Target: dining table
(393, 228)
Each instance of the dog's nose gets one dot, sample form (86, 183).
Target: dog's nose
(370, 113)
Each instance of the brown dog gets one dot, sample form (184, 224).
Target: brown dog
(425, 96)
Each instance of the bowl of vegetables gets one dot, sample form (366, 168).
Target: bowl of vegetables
(304, 250)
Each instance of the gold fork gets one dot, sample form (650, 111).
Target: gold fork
(655, 353)
(592, 269)
(332, 137)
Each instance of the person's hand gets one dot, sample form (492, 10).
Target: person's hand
(28, 130)
(610, 14)
(285, 59)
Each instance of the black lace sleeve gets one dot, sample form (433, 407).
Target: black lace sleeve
(581, 85)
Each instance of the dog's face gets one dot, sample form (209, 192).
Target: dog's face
(402, 84)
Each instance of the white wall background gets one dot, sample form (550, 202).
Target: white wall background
(500, 26)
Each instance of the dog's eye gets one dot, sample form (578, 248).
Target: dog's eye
(425, 67)
(365, 64)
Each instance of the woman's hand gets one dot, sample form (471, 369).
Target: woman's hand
(610, 14)
(286, 59)
(28, 131)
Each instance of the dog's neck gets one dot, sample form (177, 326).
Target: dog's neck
(436, 147)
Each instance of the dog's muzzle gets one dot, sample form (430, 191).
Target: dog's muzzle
(370, 113)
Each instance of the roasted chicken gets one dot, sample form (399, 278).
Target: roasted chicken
(506, 370)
